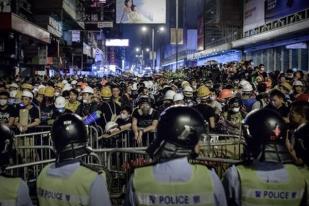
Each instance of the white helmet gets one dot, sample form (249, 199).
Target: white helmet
(13, 93)
(297, 83)
(178, 97)
(169, 95)
(110, 125)
(188, 91)
(243, 82)
(134, 86)
(65, 82)
(67, 87)
(247, 88)
(14, 85)
(74, 82)
(60, 102)
(88, 90)
(26, 93)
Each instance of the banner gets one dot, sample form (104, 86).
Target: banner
(200, 34)
(279, 8)
(179, 36)
(254, 14)
(141, 11)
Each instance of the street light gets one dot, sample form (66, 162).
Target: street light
(144, 29)
(161, 29)
(137, 49)
(147, 50)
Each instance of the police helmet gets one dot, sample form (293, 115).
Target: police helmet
(302, 143)
(6, 144)
(68, 129)
(180, 126)
(262, 127)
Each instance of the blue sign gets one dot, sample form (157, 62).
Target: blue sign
(275, 9)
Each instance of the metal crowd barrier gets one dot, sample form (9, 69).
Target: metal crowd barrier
(119, 154)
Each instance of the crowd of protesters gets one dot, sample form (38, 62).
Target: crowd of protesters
(223, 93)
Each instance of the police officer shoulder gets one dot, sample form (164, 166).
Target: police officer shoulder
(267, 176)
(172, 180)
(13, 190)
(69, 181)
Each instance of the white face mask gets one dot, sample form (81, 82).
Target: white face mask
(3, 102)
(213, 98)
(57, 94)
(13, 93)
(236, 109)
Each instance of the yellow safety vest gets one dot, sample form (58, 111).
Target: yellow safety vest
(8, 190)
(72, 190)
(305, 172)
(197, 191)
(255, 191)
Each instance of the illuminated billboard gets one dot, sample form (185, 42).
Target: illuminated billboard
(117, 42)
(140, 11)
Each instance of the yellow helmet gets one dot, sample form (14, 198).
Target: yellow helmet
(27, 86)
(203, 91)
(60, 85)
(185, 84)
(18, 94)
(49, 92)
(41, 91)
(106, 92)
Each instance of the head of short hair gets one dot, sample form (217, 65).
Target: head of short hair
(302, 108)
(276, 92)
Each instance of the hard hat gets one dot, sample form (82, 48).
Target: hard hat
(41, 91)
(110, 125)
(169, 95)
(49, 92)
(59, 85)
(27, 86)
(247, 88)
(106, 92)
(178, 97)
(13, 85)
(185, 84)
(28, 94)
(298, 83)
(67, 87)
(302, 143)
(87, 90)
(203, 91)
(67, 130)
(64, 82)
(286, 86)
(225, 94)
(60, 102)
(179, 127)
(243, 83)
(134, 86)
(74, 82)
(262, 127)
(188, 89)
(6, 144)
(13, 93)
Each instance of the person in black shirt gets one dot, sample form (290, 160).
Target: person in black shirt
(277, 103)
(144, 120)
(7, 112)
(28, 114)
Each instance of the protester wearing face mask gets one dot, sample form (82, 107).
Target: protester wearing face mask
(59, 109)
(28, 114)
(7, 112)
(144, 120)
(87, 107)
(124, 120)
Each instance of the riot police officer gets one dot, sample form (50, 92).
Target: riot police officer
(13, 191)
(172, 180)
(267, 175)
(68, 181)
